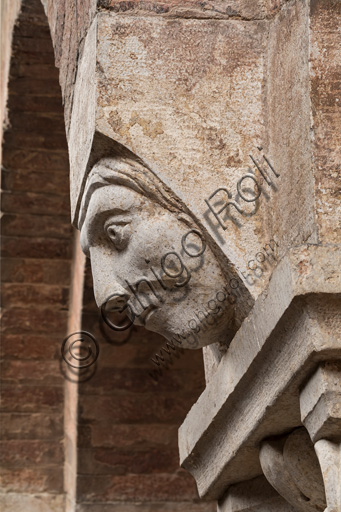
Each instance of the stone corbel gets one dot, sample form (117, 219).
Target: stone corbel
(292, 468)
(320, 405)
(290, 463)
(273, 398)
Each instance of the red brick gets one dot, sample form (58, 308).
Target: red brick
(31, 373)
(33, 203)
(21, 271)
(160, 506)
(42, 161)
(138, 380)
(34, 9)
(139, 350)
(134, 437)
(24, 247)
(43, 71)
(24, 453)
(117, 462)
(17, 320)
(135, 408)
(33, 225)
(137, 487)
(26, 29)
(30, 346)
(36, 103)
(36, 271)
(48, 426)
(135, 353)
(40, 122)
(33, 385)
(33, 480)
(33, 44)
(43, 57)
(24, 139)
(32, 399)
(35, 182)
(26, 295)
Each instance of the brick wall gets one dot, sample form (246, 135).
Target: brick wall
(36, 250)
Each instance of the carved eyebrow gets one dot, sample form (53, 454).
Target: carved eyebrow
(113, 212)
(101, 216)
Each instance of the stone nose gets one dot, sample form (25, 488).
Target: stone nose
(107, 289)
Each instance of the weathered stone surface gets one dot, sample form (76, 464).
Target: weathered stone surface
(291, 466)
(159, 108)
(288, 126)
(329, 454)
(256, 494)
(195, 9)
(320, 402)
(287, 342)
(325, 41)
(151, 282)
(154, 96)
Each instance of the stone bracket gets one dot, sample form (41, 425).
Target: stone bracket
(254, 394)
(320, 404)
(291, 466)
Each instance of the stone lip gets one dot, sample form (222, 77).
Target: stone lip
(254, 392)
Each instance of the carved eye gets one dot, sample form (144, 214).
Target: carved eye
(118, 234)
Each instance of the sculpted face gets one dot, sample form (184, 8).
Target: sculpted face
(151, 263)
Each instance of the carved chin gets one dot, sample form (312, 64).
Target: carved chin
(191, 330)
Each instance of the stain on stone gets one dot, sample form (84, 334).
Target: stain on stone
(149, 129)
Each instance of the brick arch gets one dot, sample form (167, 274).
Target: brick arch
(37, 242)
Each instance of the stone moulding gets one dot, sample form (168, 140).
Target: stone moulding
(255, 393)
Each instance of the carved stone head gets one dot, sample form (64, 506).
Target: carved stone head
(156, 127)
(150, 256)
